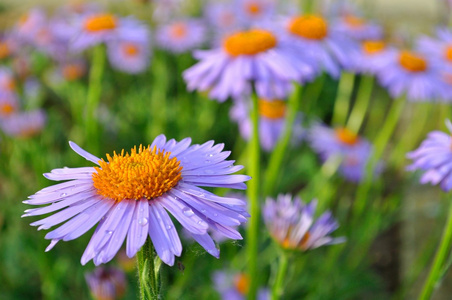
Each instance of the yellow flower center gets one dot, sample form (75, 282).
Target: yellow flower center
(448, 53)
(354, 21)
(310, 27)
(302, 244)
(6, 109)
(130, 49)
(4, 50)
(412, 62)
(72, 72)
(141, 174)
(249, 42)
(253, 8)
(274, 109)
(373, 46)
(100, 22)
(178, 30)
(242, 283)
(345, 136)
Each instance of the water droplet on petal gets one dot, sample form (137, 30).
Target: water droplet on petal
(188, 211)
(169, 227)
(210, 155)
(143, 221)
(63, 195)
(215, 215)
(109, 232)
(200, 222)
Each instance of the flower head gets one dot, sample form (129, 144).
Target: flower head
(373, 57)
(354, 151)
(434, 157)
(272, 121)
(313, 35)
(106, 283)
(358, 28)
(291, 224)
(257, 56)
(24, 124)
(234, 286)
(414, 75)
(9, 104)
(130, 51)
(130, 194)
(252, 12)
(181, 36)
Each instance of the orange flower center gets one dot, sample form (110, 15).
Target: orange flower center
(249, 42)
(253, 8)
(354, 21)
(7, 109)
(412, 62)
(310, 27)
(448, 53)
(4, 50)
(72, 72)
(275, 109)
(242, 283)
(302, 244)
(373, 46)
(178, 30)
(345, 136)
(100, 22)
(10, 84)
(130, 49)
(24, 18)
(141, 174)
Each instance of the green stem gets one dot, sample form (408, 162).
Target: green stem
(278, 288)
(380, 143)
(278, 153)
(253, 198)
(94, 94)
(362, 103)
(343, 98)
(148, 272)
(440, 257)
(312, 94)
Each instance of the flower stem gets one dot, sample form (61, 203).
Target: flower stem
(94, 93)
(278, 287)
(253, 198)
(343, 98)
(277, 156)
(148, 272)
(380, 143)
(440, 257)
(362, 103)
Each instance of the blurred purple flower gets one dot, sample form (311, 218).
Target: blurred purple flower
(24, 124)
(357, 27)
(291, 223)
(434, 158)
(353, 150)
(234, 286)
(131, 193)
(272, 122)
(312, 35)
(181, 35)
(106, 283)
(373, 57)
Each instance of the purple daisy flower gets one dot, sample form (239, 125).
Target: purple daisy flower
(131, 195)
(373, 57)
(130, 52)
(93, 29)
(7, 82)
(252, 12)
(331, 49)
(106, 283)
(434, 158)
(29, 25)
(222, 16)
(71, 69)
(358, 28)
(272, 122)
(412, 74)
(291, 224)
(9, 104)
(255, 56)
(353, 150)
(234, 286)
(181, 36)
(24, 124)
